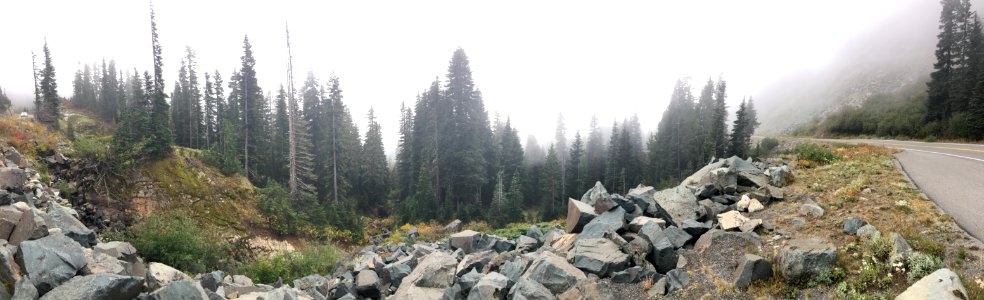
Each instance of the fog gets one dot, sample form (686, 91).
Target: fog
(531, 60)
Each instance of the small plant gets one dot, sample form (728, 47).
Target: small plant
(921, 265)
(310, 259)
(647, 283)
(816, 153)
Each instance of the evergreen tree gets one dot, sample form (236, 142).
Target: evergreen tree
(560, 142)
(254, 136)
(512, 153)
(404, 172)
(50, 109)
(160, 139)
(109, 92)
(469, 128)
(719, 126)
(594, 154)
(740, 136)
(209, 112)
(375, 181)
(613, 170)
(706, 141)
(576, 168)
(551, 203)
(280, 136)
(4, 102)
(671, 149)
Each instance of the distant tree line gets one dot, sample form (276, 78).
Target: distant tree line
(304, 151)
(953, 103)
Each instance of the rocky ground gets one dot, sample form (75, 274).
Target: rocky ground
(736, 229)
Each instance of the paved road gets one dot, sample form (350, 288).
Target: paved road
(952, 175)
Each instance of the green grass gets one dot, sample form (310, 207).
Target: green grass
(816, 153)
(514, 230)
(310, 259)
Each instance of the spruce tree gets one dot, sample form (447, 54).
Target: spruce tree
(719, 125)
(740, 132)
(375, 172)
(576, 168)
(404, 172)
(160, 138)
(471, 134)
(50, 109)
(594, 154)
(613, 170)
(280, 137)
(551, 202)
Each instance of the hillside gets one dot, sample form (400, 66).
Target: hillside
(895, 55)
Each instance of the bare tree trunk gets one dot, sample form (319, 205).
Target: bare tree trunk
(292, 111)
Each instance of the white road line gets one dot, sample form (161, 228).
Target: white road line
(947, 154)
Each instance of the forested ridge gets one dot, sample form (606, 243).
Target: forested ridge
(302, 149)
(949, 106)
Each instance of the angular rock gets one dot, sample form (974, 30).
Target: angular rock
(30, 226)
(476, 261)
(454, 226)
(805, 258)
(599, 256)
(900, 249)
(942, 284)
(579, 214)
(638, 222)
(25, 290)
(535, 232)
(707, 191)
(811, 209)
(755, 205)
(553, 272)
(612, 220)
(779, 176)
(9, 217)
(433, 274)
(368, 260)
(97, 262)
(658, 289)
(468, 281)
(491, 287)
(367, 284)
(638, 250)
(750, 225)
(586, 289)
(527, 289)
(774, 193)
(595, 194)
(469, 241)
(675, 205)
(663, 255)
(716, 238)
(742, 204)
(731, 220)
(676, 236)
(751, 268)
(501, 245)
(514, 269)
(526, 244)
(868, 231)
(61, 217)
(10, 271)
(159, 275)
(396, 272)
(630, 275)
(50, 261)
(98, 286)
(694, 228)
(676, 280)
(852, 224)
(181, 289)
(12, 178)
(641, 196)
(564, 243)
(724, 180)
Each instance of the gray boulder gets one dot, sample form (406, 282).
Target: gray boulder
(716, 239)
(12, 178)
(50, 261)
(527, 289)
(579, 214)
(500, 245)
(630, 275)
(212, 281)
(676, 280)
(868, 231)
(811, 209)
(397, 271)
(553, 272)
(9, 269)
(491, 287)
(676, 236)
(942, 284)
(586, 289)
(535, 232)
(612, 220)
(641, 196)
(96, 262)
(367, 284)
(476, 261)
(640, 221)
(663, 255)
(159, 275)
(779, 176)
(751, 268)
(25, 290)
(9, 217)
(454, 226)
(900, 249)
(803, 259)
(469, 241)
(468, 281)
(515, 268)
(695, 228)
(181, 289)
(31, 225)
(675, 205)
(526, 244)
(595, 194)
(428, 280)
(98, 286)
(724, 180)
(599, 256)
(852, 224)
(61, 217)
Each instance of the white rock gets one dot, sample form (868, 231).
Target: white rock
(942, 284)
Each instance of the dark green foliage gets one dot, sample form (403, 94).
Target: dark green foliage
(374, 182)
(159, 139)
(49, 111)
(281, 144)
(4, 102)
(816, 153)
(576, 168)
(288, 266)
(896, 115)
(281, 215)
(186, 108)
(550, 178)
(177, 240)
(741, 131)
(765, 146)
(671, 154)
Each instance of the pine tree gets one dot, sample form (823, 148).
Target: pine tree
(404, 173)
(613, 170)
(193, 98)
(719, 126)
(280, 137)
(706, 141)
(375, 181)
(160, 139)
(576, 168)
(471, 134)
(49, 111)
(740, 132)
(550, 185)
(594, 154)
(560, 142)
(254, 136)
(209, 112)
(671, 150)
(109, 92)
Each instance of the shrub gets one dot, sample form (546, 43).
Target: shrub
(921, 265)
(816, 153)
(310, 259)
(177, 240)
(514, 230)
(767, 145)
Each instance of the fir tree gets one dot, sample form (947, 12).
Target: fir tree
(4, 102)
(576, 168)
(375, 173)
(594, 154)
(740, 136)
(160, 138)
(50, 109)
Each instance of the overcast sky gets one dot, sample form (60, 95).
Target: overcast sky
(531, 59)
